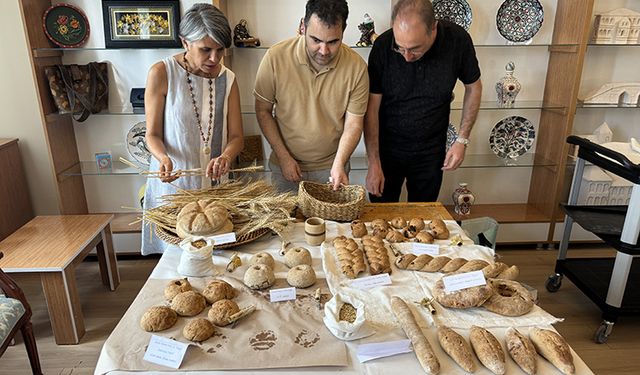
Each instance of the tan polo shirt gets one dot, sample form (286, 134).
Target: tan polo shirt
(310, 107)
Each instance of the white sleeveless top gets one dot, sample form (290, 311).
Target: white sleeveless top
(182, 137)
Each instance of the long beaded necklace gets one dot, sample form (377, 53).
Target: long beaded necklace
(206, 149)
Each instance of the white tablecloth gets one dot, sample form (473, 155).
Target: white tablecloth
(166, 269)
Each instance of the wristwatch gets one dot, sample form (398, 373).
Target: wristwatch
(464, 141)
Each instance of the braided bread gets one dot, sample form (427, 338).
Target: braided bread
(377, 255)
(427, 263)
(350, 256)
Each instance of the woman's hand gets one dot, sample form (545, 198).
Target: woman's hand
(218, 167)
(166, 167)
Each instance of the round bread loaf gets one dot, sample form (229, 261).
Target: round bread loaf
(259, 276)
(510, 298)
(263, 258)
(158, 318)
(188, 303)
(203, 218)
(176, 287)
(296, 256)
(301, 276)
(217, 290)
(221, 311)
(198, 330)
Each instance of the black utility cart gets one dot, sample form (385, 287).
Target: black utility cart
(603, 280)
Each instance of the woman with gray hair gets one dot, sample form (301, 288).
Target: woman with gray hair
(192, 106)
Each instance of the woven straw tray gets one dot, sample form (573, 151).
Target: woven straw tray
(173, 239)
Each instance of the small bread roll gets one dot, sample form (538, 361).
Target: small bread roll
(394, 236)
(188, 303)
(398, 222)
(198, 330)
(457, 348)
(381, 232)
(175, 287)
(439, 229)
(259, 276)
(301, 276)
(409, 231)
(380, 224)
(221, 311)
(263, 258)
(158, 318)
(554, 348)
(358, 229)
(424, 237)
(217, 290)
(297, 256)
(488, 350)
(417, 223)
(522, 351)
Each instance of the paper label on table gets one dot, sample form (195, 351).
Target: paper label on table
(165, 352)
(224, 238)
(372, 281)
(367, 352)
(463, 280)
(426, 248)
(282, 294)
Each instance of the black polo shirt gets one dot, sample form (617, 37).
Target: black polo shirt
(416, 96)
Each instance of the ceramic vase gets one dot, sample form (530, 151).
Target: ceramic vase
(463, 198)
(508, 87)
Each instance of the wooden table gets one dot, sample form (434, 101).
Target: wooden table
(408, 210)
(53, 246)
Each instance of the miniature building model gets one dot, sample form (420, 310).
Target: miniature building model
(620, 26)
(623, 93)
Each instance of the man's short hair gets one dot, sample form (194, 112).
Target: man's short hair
(423, 8)
(330, 12)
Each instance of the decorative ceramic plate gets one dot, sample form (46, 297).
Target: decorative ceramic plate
(512, 137)
(452, 135)
(136, 144)
(65, 25)
(519, 20)
(456, 11)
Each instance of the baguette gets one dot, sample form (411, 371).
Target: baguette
(554, 348)
(488, 350)
(522, 351)
(424, 352)
(457, 348)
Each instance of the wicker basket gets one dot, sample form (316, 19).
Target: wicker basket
(321, 200)
(173, 239)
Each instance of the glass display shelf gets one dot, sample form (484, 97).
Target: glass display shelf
(612, 45)
(89, 168)
(493, 45)
(456, 106)
(617, 106)
(79, 49)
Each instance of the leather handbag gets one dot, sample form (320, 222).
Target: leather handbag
(79, 89)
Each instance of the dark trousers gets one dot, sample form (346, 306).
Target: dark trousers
(423, 175)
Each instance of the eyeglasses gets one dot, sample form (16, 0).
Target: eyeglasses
(405, 51)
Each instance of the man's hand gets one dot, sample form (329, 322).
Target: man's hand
(454, 157)
(290, 169)
(338, 177)
(375, 180)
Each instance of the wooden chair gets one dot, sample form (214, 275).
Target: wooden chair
(15, 314)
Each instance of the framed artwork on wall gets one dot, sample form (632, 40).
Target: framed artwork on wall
(141, 23)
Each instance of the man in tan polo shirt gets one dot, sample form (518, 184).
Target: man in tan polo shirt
(319, 88)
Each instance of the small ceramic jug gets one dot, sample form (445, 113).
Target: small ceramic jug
(314, 231)
(508, 87)
(462, 199)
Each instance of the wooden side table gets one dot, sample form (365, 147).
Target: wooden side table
(53, 246)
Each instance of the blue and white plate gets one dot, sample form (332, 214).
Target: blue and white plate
(519, 21)
(456, 11)
(136, 144)
(511, 137)
(452, 135)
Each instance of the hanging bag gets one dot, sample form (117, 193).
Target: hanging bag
(79, 89)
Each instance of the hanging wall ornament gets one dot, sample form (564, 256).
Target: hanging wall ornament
(508, 87)
(456, 11)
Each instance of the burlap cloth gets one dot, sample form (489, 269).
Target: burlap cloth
(276, 335)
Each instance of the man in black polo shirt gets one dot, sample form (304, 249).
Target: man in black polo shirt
(413, 68)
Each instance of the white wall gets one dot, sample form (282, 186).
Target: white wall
(19, 109)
